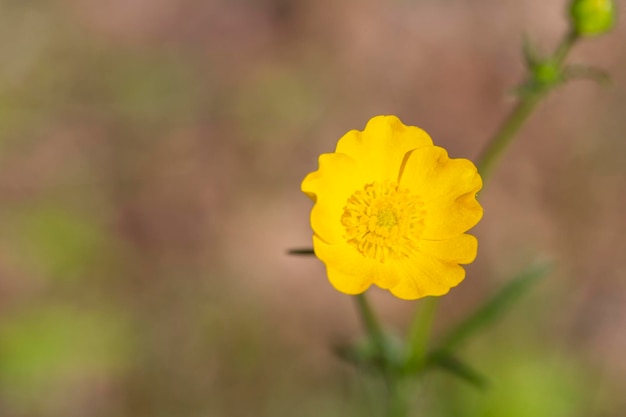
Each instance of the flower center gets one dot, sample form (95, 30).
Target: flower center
(383, 221)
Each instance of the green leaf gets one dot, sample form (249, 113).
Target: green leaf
(363, 353)
(531, 56)
(369, 353)
(301, 251)
(495, 307)
(458, 368)
(578, 72)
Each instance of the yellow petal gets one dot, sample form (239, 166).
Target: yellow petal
(448, 188)
(329, 187)
(448, 217)
(424, 276)
(431, 174)
(352, 273)
(388, 274)
(345, 267)
(381, 147)
(347, 283)
(461, 249)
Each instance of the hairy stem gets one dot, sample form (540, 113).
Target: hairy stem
(520, 113)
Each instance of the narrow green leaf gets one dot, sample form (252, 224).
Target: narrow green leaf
(531, 56)
(577, 72)
(495, 307)
(301, 251)
(367, 353)
(359, 355)
(458, 368)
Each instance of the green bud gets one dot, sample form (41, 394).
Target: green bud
(592, 17)
(547, 73)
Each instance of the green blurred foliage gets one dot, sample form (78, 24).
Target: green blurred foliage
(288, 95)
(524, 383)
(48, 351)
(148, 89)
(56, 242)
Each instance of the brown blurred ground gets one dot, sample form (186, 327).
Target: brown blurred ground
(150, 160)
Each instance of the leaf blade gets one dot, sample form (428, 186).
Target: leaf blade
(494, 307)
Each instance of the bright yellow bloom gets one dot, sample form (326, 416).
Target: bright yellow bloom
(391, 209)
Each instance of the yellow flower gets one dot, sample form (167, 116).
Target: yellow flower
(391, 209)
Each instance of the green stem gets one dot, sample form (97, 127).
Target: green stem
(520, 113)
(370, 322)
(397, 405)
(419, 334)
(506, 133)
(564, 47)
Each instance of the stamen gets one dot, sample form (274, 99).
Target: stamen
(383, 221)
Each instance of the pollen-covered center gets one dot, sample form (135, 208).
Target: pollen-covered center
(383, 221)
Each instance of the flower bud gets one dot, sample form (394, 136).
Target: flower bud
(547, 73)
(592, 17)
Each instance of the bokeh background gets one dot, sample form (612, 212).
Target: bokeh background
(151, 153)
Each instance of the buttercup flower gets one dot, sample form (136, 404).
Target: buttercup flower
(392, 209)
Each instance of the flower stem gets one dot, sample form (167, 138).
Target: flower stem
(370, 322)
(520, 113)
(564, 47)
(397, 404)
(419, 333)
(501, 140)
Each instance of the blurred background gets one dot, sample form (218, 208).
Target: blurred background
(151, 153)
